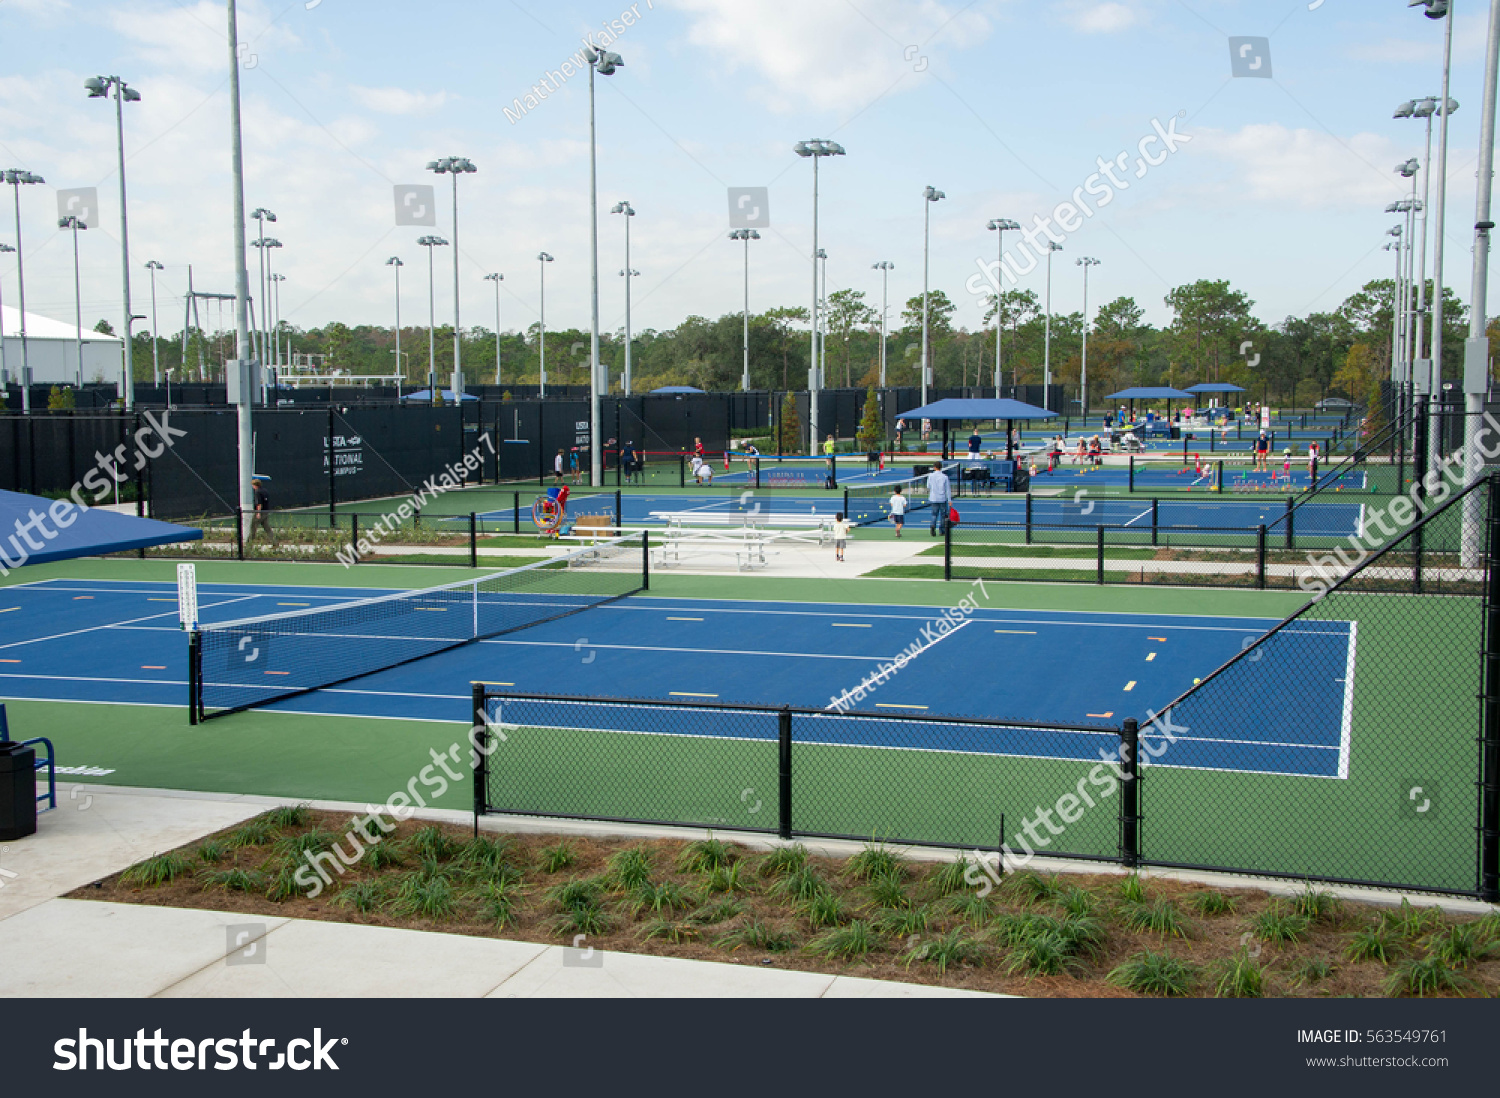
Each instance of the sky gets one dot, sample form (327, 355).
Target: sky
(1006, 106)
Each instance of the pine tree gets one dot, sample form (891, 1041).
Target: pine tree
(871, 433)
(789, 429)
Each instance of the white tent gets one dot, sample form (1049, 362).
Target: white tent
(52, 351)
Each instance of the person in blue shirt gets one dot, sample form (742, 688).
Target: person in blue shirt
(939, 498)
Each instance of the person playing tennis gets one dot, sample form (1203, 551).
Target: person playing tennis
(898, 504)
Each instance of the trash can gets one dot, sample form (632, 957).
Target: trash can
(17, 791)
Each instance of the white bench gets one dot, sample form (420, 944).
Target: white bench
(747, 544)
(812, 529)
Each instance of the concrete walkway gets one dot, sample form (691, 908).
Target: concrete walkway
(57, 947)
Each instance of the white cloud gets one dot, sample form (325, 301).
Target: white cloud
(399, 100)
(1306, 169)
(829, 56)
(1106, 18)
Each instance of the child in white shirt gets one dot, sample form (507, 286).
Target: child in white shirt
(840, 535)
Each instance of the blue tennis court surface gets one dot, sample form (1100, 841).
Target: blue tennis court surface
(119, 643)
(1340, 520)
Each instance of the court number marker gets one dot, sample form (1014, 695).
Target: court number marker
(1150, 656)
(686, 694)
(1130, 685)
(1111, 713)
(687, 619)
(1018, 632)
(851, 625)
(890, 705)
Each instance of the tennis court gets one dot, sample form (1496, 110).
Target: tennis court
(119, 642)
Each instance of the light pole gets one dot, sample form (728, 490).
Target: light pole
(1477, 350)
(746, 235)
(395, 262)
(263, 246)
(16, 177)
(496, 279)
(542, 260)
(153, 266)
(72, 222)
(815, 149)
(243, 415)
(275, 303)
(931, 196)
(1083, 378)
(99, 87)
(1398, 315)
(604, 63)
(628, 273)
(1052, 246)
(260, 215)
(885, 267)
(1415, 333)
(431, 242)
(822, 335)
(999, 226)
(1438, 9)
(5, 249)
(455, 166)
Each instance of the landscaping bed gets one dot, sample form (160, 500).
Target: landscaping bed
(876, 914)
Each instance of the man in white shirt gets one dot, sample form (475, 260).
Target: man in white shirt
(940, 497)
(702, 470)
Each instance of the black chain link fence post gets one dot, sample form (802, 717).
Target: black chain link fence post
(1291, 543)
(619, 511)
(1028, 518)
(1099, 536)
(1489, 770)
(479, 737)
(1260, 556)
(195, 668)
(516, 513)
(354, 536)
(1155, 521)
(1130, 794)
(947, 549)
(784, 773)
(473, 540)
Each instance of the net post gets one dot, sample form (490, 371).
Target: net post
(1100, 532)
(1155, 517)
(1419, 475)
(681, 470)
(619, 513)
(1219, 471)
(516, 512)
(479, 737)
(239, 532)
(1489, 755)
(1130, 794)
(1028, 516)
(195, 676)
(1290, 508)
(1131, 459)
(947, 548)
(846, 503)
(354, 535)
(473, 540)
(1212, 437)
(1260, 556)
(784, 773)
(645, 560)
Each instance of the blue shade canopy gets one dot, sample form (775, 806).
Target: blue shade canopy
(954, 408)
(88, 532)
(677, 389)
(1149, 393)
(425, 397)
(1215, 387)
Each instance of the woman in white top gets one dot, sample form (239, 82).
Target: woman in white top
(702, 470)
(898, 504)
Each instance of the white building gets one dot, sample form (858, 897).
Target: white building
(52, 351)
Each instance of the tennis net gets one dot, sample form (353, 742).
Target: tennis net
(242, 664)
(870, 503)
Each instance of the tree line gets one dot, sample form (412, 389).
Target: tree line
(1214, 336)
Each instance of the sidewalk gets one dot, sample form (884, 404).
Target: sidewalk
(56, 947)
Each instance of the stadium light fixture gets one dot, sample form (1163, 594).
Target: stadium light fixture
(603, 63)
(999, 226)
(18, 178)
(931, 195)
(815, 150)
(455, 166)
(628, 211)
(99, 87)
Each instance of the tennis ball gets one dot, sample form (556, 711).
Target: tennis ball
(1197, 681)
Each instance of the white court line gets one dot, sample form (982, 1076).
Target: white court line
(696, 649)
(626, 605)
(1346, 723)
(208, 589)
(86, 678)
(98, 628)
